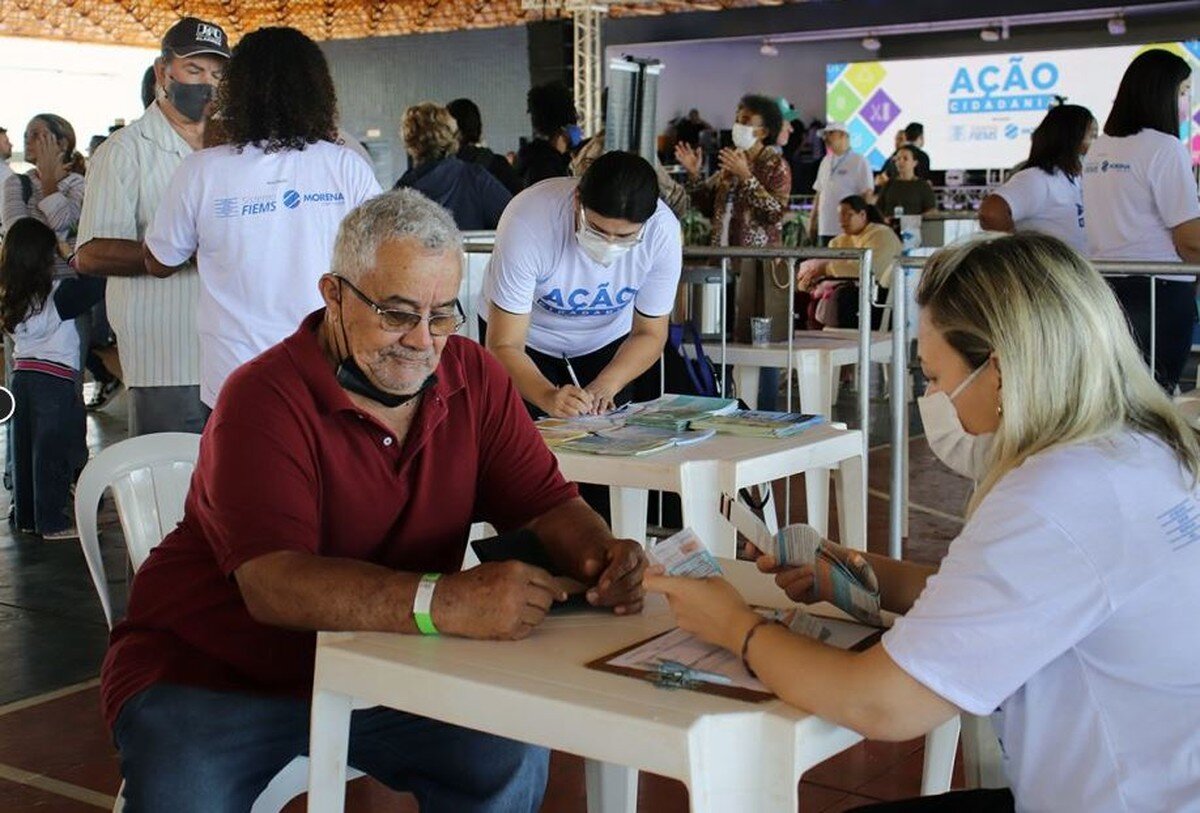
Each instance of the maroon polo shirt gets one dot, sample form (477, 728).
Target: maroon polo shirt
(288, 462)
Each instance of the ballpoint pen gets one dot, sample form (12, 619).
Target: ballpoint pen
(571, 371)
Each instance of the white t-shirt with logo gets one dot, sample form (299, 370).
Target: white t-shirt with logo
(261, 226)
(839, 177)
(576, 304)
(1135, 190)
(1068, 605)
(1047, 203)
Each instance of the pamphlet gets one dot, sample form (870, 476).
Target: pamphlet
(756, 423)
(678, 411)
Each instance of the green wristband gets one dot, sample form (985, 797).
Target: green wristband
(422, 602)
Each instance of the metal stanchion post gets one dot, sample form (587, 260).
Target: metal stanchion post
(864, 349)
(724, 327)
(791, 364)
(897, 501)
(1153, 327)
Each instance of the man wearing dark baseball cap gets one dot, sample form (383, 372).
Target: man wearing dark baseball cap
(193, 57)
(154, 319)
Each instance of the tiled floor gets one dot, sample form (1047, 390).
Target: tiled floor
(55, 754)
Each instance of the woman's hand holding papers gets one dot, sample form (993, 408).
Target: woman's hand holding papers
(708, 608)
(797, 582)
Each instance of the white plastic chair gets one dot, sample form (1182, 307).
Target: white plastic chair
(149, 476)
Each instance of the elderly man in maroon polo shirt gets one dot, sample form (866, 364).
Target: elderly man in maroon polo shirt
(337, 478)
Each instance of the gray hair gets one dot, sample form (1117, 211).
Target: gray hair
(402, 214)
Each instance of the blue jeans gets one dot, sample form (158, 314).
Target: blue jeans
(191, 750)
(48, 427)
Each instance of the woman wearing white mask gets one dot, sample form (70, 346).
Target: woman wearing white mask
(1052, 607)
(580, 285)
(746, 200)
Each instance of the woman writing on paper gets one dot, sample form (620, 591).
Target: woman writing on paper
(1054, 606)
(580, 285)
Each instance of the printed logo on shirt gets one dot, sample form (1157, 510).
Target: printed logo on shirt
(583, 302)
(1107, 166)
(244, 207)
(1181, 524)
(227, 207)
(293, 198)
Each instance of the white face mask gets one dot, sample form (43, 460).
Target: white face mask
(744, 137)
(966, 454)
(596, 247)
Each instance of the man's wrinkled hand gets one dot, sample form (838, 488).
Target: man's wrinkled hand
(495, 600)
(617, 577)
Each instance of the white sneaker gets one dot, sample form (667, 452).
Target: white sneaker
(69, 532)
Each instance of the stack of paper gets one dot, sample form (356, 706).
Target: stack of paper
(678, 411)
(759, 424)
(631, 441)
(555, 431)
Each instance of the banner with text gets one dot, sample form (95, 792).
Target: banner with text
(978, 111)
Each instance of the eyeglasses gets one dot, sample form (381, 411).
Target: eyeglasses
(616, 240)
(397, 321)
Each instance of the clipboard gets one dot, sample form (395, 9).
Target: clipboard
(732, 692)
(749, 695)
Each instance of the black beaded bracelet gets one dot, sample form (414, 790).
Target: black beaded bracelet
(746, 641)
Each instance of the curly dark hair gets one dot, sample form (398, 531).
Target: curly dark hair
(26, 266)
(551, 108)
(277, 93)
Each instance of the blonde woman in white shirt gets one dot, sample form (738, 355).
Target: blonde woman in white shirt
(1139, 194)
(1051, 608)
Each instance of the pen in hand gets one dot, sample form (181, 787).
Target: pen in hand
(571, 371)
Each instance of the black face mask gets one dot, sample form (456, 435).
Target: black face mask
(190, 100)
(351, 378)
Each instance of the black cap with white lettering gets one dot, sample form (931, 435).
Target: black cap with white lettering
(191, 36)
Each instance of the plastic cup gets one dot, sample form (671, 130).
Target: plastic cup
(760, 330)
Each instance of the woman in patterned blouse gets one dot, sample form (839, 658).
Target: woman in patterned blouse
(746, 200)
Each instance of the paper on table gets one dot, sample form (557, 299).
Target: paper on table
(685, 648)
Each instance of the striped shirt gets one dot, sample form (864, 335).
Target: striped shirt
(154, 319)
(59, 211)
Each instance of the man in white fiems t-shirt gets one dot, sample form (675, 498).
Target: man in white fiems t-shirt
(260, 214)
(155, 320)
(584, 270)
(842, 173)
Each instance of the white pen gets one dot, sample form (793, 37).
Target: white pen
(571, 371)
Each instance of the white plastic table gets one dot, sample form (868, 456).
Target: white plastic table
(732, 755)
(701, 472)
(817, 355)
